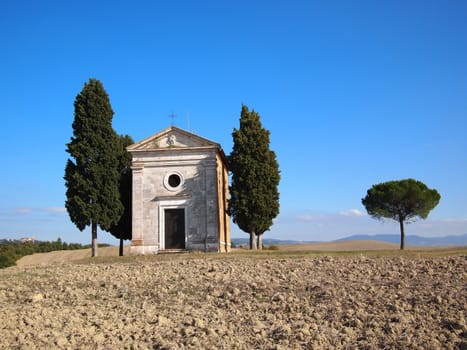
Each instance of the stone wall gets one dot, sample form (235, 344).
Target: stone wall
(197, 194)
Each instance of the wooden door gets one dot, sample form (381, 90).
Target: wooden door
(174, 228)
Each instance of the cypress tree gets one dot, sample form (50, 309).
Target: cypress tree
(122, 230)
(254, 195)
(91, 173)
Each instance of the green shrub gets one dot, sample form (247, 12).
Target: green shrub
(7, 259)
(12, 251)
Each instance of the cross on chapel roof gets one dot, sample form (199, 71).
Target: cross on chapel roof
(173, 116)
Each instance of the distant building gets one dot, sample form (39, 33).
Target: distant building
(179, 194)
(27, 239)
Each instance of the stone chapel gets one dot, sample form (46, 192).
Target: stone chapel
(179, 194)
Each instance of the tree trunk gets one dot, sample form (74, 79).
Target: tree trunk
(120, 250)
(260, 241)
(94, 239)
(401, 223)
(252, 240)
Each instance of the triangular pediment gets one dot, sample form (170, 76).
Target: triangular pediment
(172, 137)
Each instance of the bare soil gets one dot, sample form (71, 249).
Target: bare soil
(236, 301)
(66, 256)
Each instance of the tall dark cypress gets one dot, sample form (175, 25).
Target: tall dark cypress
(254, 195)
(91, 173)
(122, 230)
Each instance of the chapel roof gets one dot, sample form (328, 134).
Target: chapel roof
(173, 138)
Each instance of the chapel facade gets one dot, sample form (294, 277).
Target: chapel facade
(179, 194)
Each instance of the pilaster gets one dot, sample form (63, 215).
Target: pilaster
(137, 226)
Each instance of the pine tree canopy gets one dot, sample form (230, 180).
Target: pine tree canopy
(254, 196)
(400, 200)
(91, 173)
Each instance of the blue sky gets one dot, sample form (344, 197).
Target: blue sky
(353, 92)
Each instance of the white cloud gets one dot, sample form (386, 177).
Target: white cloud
(29, 210)
(23, 210)
(352, 212)
(54, 209)
(455, 220)
(309, 217)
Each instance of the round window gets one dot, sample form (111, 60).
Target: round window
(174, 180)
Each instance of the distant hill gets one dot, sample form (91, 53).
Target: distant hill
(412, 240)
(395, 239)
(266, 241)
